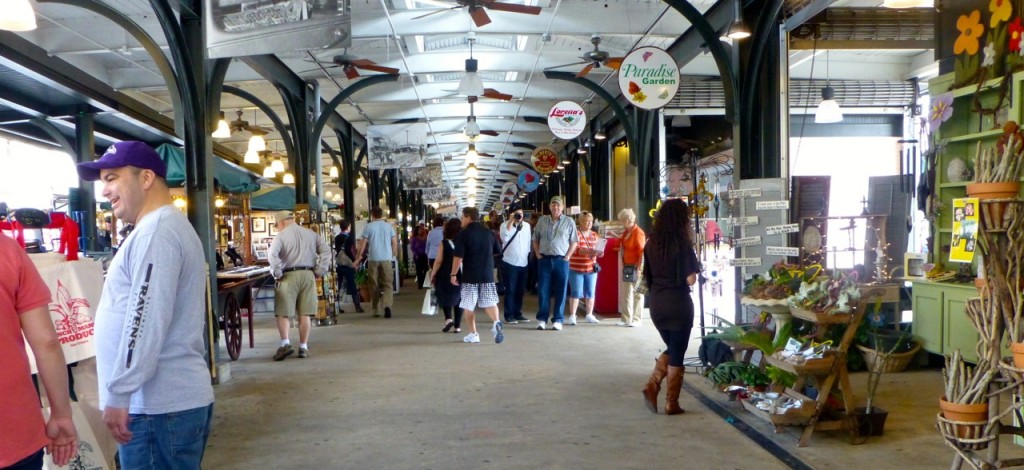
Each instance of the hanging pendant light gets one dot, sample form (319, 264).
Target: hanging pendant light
(256, 142)
(251, 157)
(471, 155)
(471, 84)
(277, 164)
(471, 171)
(19, 16)
(599, 135)
(288, 178)
(334, 172)
(828, 110)
(223, 130)
(268, 172)
(737, 29)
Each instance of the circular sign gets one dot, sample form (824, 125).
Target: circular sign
(529, 180)
(545, 159)
(648, 77)
(508, 193)
(567, 120)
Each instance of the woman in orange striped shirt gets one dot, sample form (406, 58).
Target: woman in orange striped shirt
(582, 278)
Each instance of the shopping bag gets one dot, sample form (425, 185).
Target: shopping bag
(75, 288)
(426, 282)
(91, 454)
(429, 303)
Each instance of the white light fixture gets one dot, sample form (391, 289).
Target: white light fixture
(218, 203)
(471, 190)
(472, 129)
(336, 198)
(288, 178)
(599, 135)
(18, 16)
(471, 84)
(471, 172)
(269, 172)
(907, 3)
(223, 129)
(180, 202)
(251, 157)
(329, 194)
(277, 164)
(334, 172)
(471, 155)
(256, 143)
(581, 150)
(828, 110)
(737, 30)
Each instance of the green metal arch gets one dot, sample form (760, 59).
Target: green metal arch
(55, 134)
(289, 142)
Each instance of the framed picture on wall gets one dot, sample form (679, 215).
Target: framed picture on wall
(259, 224)
(224, 234)
(273, 229)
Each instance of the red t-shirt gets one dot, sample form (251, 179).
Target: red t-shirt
(21, 290)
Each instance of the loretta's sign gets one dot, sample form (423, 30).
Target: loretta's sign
(567, 120)
(649, 78)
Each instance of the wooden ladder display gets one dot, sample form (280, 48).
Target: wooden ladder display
(829, 370)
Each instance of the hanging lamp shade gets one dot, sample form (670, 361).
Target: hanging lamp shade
(269, 172)
(257, 143)
(223, 130)
(288, 178)
(828, 110)
(251, 157)
(471, 172)
(471, 155)
(471, 84)
(472, 128)
(19, 16)
(336, 198)
(334, 172)
(737, 30)
(277, 164)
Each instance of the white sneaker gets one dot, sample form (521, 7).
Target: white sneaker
(621, 323)
(472, 338)
(635, 324)
(540, 326)
(556, 326)
(572, 320)
(592, 319)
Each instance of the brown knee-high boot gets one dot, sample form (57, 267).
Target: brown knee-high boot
(675, 383)
(653, 386)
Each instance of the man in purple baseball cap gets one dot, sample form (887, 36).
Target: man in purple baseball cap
(154, 386)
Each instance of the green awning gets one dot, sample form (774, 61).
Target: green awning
(281, 198)
(225, 176)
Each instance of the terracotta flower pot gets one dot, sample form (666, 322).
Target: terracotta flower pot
(993, 190)
(963, 412)
(1018, 354)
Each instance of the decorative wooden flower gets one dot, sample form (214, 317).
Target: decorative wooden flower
(1001, 11)
(971, 29)
(942, 110)
(989, 55)
(1016, 30)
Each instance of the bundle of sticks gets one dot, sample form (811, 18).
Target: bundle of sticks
(966, 384)
(1004, 163)
(989, 324)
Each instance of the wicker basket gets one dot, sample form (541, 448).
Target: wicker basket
(966, 435)
(897, 362)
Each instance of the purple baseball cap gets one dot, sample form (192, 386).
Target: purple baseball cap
(122, 154)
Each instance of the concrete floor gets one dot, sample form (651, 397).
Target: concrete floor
(398, 394)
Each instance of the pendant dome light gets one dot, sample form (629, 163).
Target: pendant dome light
(737, 29)
(223, 130)
(334, 172)
(18, 16)
(828, 110)
(471, 84)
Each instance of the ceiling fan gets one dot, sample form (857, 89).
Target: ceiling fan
(595, 58)
(351, 65)
(477, 9)
(240, 125)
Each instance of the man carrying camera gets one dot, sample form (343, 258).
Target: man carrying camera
(515, 243)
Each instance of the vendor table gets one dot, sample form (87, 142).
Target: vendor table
(234, 294)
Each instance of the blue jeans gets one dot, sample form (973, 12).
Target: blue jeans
(514, 278)
(552, 278)
(168, 441)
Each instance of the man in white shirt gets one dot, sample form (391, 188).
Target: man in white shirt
(515, 243)
(380, 243)
(298, 257)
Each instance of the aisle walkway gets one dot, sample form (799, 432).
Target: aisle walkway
(399, 394)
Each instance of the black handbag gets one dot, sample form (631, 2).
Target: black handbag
(597, 268)
(629, 273)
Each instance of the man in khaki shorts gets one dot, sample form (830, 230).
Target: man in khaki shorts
(298, 256)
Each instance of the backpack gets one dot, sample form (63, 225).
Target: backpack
(713, 352)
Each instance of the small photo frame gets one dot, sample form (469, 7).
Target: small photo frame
(913, 264)
(224, 234)
(273, 229)
(259, 224)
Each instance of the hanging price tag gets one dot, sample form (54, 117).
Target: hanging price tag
(742, 262)
(741, 193)
(771, 205)
(782, 251)
(737, 221)
(777, 229)
(749, 241)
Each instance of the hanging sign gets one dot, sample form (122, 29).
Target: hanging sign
(771, 205)
(745, 262)
(742, 193)
(529, 180)
(545, 159)
(777, 229)
(748, 241)
(508, 193)
(648, 77)
(567, 120)
(782, 251)
(738, 221)
(965, 230)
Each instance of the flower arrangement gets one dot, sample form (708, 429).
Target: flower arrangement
(827, 295)
(781, 281)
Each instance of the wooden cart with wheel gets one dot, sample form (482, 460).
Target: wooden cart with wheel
(234, 295)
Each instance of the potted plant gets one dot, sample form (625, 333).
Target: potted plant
(886, 356)
(824, 296)
(966, 398)
(363, 283)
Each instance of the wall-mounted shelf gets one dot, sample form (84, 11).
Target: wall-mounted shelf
(975, 136)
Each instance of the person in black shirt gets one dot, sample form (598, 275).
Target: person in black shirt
(448, 293)
(670, 269)
(474, 253)
(343, 243)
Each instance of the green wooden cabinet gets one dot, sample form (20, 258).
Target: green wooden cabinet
(940, 319)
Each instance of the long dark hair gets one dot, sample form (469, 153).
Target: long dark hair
(452, 228)
(672, 232)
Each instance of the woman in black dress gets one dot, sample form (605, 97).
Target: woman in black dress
(448, 296)
(670, 269)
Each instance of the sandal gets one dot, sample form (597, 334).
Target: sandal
(447, 326)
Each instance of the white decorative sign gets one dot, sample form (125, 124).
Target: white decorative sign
(748, 241)
(771, 205)
(567, 120)
(648, 77)
(777, 229)
(782, 251)
(737, 221)
(742, 193)
(745, 262)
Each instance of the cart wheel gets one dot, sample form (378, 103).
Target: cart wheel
(232, 326)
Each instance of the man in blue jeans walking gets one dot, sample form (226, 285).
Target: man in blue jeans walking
(554, 240)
